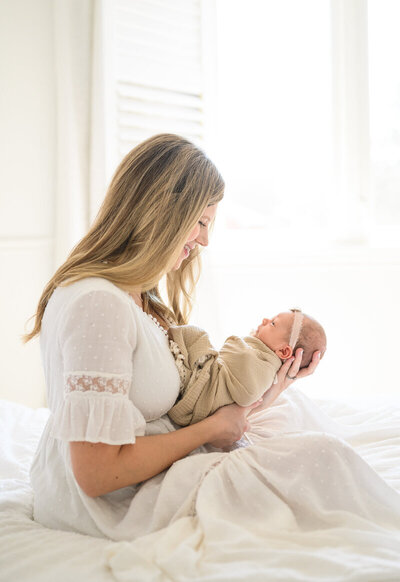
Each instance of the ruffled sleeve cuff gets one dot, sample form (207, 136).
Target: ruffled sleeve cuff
(102, 418)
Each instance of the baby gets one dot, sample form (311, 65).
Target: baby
(244, 369)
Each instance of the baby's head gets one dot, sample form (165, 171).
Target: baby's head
(290, 330)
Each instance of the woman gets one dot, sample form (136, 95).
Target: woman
(110, 376)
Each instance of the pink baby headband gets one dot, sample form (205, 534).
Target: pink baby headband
(296, 327)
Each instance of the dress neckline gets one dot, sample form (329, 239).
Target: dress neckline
(148, 315)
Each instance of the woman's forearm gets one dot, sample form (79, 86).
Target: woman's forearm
(100, 468)
(271, 395)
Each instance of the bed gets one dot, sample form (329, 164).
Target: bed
(182, 551)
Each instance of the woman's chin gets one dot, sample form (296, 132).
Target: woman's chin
(180, 260)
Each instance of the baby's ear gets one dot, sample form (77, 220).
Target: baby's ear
(284, 352)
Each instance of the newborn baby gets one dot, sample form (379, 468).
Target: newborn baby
(244, 369)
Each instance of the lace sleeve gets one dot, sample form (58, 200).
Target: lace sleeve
(79, 382)
(97, 339)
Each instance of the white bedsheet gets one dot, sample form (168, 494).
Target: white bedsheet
(276, 542)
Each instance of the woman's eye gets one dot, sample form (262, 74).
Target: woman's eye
(202, 224)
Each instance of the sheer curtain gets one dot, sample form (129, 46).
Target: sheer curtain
(80, 136)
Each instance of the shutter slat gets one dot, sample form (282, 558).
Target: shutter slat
(158, 53)
(178, 8)
(181, 47)
(133, 107)
(158, 70)
(170, 126)
(164, 22)
(157, 124)
(158, 94)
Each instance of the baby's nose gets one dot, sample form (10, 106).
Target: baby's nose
(265, 321)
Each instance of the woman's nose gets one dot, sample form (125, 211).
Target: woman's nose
(202, 239)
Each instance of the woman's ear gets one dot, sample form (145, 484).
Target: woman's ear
(284, 352)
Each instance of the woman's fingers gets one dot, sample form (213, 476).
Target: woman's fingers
(295, 367)
(285, 368)
(290, 368)
(251, 406)
(311, 367)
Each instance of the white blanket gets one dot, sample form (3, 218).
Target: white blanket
(316, 497)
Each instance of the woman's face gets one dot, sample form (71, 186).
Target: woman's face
(199, 234)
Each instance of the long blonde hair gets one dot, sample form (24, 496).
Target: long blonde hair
(155, 198)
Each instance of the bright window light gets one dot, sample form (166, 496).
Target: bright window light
(309, 121)
(274, 116)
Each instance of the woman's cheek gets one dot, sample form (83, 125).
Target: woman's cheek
(194, 233)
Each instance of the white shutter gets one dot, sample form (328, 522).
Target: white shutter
(154, 72)
(158, 70)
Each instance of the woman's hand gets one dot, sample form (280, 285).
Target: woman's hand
(231, 422)
(290, 370)
(288, 373)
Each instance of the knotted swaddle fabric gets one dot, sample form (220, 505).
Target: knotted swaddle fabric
(241, 372)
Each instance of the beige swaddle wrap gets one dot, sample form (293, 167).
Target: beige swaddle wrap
(240, 372)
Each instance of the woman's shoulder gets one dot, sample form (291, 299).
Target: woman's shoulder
(89, 286)
(91, 296)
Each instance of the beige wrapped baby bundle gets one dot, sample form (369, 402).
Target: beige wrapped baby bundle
(240, 372)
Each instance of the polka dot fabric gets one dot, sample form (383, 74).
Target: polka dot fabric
(98, 338)
(109, 373)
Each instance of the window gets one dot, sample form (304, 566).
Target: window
(297, 102)
(309, 109)
(274, 115)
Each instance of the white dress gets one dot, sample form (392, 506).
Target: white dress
(108, 372)
(110, 376)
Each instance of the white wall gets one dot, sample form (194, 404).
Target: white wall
(27, 154)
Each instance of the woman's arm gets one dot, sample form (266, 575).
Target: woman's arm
(100, 468)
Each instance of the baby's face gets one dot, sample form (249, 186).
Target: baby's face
(275, 332)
